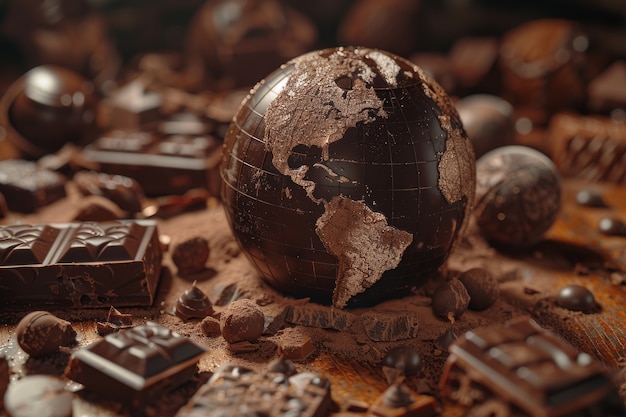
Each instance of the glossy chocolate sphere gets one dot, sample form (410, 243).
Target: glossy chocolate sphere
(347, 176)
(50, 106)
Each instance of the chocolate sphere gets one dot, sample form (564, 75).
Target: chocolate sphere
(242, 320)
(518, 195)
(48, 107)
(576, 298)
(40, 333)
(482, 288)
(405, 359)
(450, 300)
(347, 176)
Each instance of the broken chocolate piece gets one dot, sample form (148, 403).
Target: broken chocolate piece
(40, 333)
(116, 321)
(79, 265)
(315, 315)
(98, 209)
(242, 320)
(390, 326)
(38, 395)
(125, 192)
(136, 364)
(294, 345)
(27, 188)
(193, 303)
(302, 394)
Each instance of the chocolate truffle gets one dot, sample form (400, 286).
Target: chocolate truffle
(48, 107)
(518, 195)
(193, 303)
(191, 255)
(450, 300)
(482, 288)
(40, 333)
(242, 320)
(576, 298)
(405, 359)
(38, 395)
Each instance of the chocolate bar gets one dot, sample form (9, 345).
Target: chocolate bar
(528, 367)
(136, 364)
(26, 187)
(161, 165)
(237, 391)
(79, 265)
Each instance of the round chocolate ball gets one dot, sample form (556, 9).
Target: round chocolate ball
(405, 359)
(450, 300)
(482, 288)
(518, 195)
(576, 298)
(488, 121)
(191, 255)
(40, 333)
(49, 107)
(347, 176)
(242, 320)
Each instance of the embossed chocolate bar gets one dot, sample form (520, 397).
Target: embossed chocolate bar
(79, 265)
(238, 391)
(135, 364)
(161, 165)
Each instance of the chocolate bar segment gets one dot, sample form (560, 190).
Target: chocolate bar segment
(238, 391)
(26, 187)
(160, 164)
(79, 265)
(135, 364)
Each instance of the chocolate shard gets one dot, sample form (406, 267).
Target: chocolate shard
(390, 326)
(135, 365)
(275, 318)
(26, 187)
(302, 394)
(314, 315)
(79, 265)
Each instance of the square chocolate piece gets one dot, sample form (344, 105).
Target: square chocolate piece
(79, 265)
(26, 187)
(135, 365)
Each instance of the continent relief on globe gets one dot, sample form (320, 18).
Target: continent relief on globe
(332, 92)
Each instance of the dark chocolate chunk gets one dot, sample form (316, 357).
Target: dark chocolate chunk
(131, 107)
(161, 165)
(193, 303)
(40, 333)
(115, 321)
(136, 364)
(612, 226)
(191, 255)
(590, 198)
(576, 298)
(79, 265)
(98, 209)
(275, 319)
(390, 326)
(294, 345)
(269, 393)
(123, 191)
(38, 395)
(315, 315)
(450, 300)
(226, 294)
(482, 288)
(405, 359)
(26, 187)
(524, 365)
(242, 320)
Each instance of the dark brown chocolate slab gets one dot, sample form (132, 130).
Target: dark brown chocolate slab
(79, 265)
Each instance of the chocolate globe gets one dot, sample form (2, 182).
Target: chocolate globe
(347, 176)
(48, 107)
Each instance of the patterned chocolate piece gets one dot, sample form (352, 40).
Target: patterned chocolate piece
(238, 391)
(161, 165)
(79, 264)
(26, 187)
(135, 364)
(526, 366)
(589, 147)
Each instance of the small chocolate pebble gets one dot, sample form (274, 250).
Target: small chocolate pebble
(590, 198)
(40, 333)
(576, 298)
(482, 288)
(191, 255)
(242, 321)
(405, 359)
(193, 304)
(450, 300)
(612, 227)
(38, 395)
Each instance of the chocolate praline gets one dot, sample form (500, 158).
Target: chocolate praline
(576, 298)
(40, 333)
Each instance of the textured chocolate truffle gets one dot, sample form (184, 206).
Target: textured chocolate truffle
(40, 333)
(450, 300)
(576, 298)
(242, 320)
(191, 255)
(482, 288)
